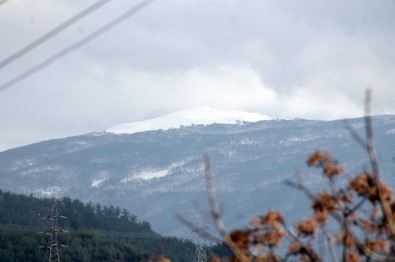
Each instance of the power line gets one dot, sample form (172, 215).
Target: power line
(52, 33)
(123, 234)
(82, 231)
(77, 45)
(3, 1)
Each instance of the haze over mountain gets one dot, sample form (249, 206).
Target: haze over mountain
(158, 173)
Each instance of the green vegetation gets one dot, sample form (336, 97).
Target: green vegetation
(95, 232)
(80, 246)
(28, 211)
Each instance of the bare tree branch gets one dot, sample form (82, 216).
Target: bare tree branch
(338, 205)
(215, 211)
(369, 135)
(371, 150)
(311, 254)
(330, 244)
(192, 226)
(355, 135)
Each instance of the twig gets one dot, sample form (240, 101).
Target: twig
(350, 212)
(202, 233)
(374, 164)
(215, 212)
(331, 247)
(369, 135)
(301, 187)
(206, 216)
(355, 135)
(346, 233)
(310, 253)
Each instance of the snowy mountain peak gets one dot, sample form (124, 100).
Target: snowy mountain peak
(196, 116)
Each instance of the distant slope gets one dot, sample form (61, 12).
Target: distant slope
(196, 116)
(156, 174)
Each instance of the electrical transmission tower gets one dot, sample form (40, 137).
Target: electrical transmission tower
(200, 243)
(52, 248)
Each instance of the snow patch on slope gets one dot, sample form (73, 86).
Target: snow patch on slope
(51, 191)
(390, 132)
(196, 116)
(96, 182)
(145, 175)
(103, 176)
(151, 174)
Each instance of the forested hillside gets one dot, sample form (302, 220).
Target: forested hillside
(29, 211)
(94, 232)
(78, 246)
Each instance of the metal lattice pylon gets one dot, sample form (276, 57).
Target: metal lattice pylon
(200, 244)
(52, 247)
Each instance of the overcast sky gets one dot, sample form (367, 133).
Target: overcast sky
(283, 58)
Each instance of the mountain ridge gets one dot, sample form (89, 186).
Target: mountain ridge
(195, 116)
(250, 161)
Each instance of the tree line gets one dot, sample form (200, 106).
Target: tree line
(95, 232)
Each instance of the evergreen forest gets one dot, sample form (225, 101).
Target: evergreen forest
(90, 232)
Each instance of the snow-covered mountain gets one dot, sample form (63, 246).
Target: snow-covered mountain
(157, 174)
(196, 116)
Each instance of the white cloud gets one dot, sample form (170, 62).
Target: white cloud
(282, 58)
(226, 87)
(319, 103)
